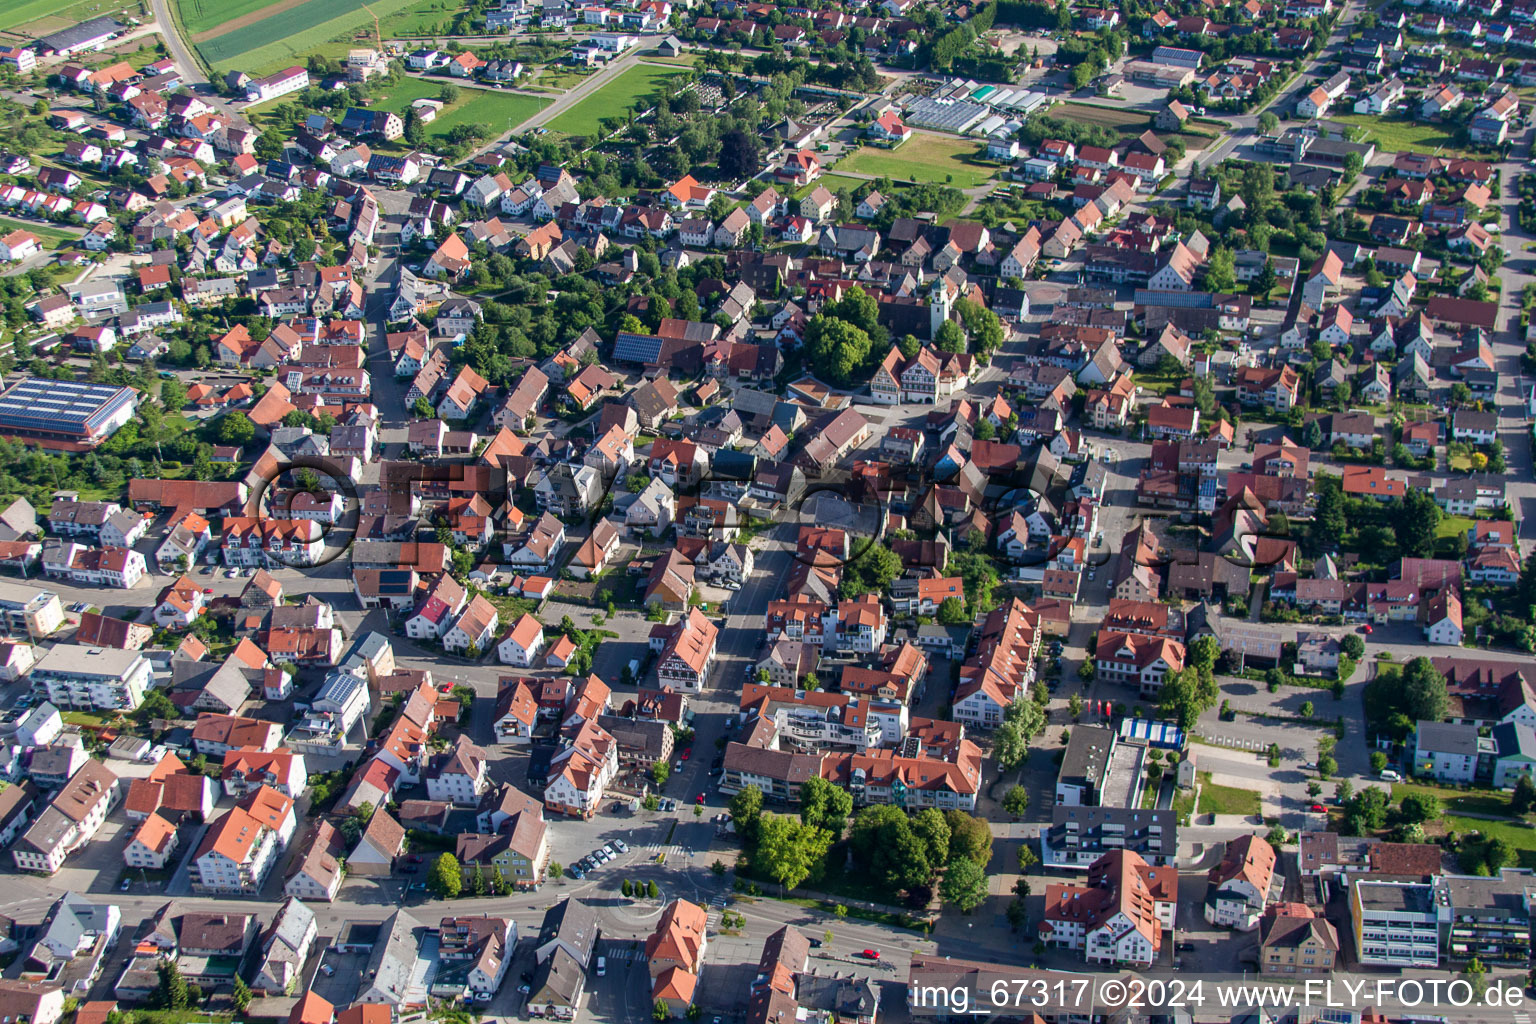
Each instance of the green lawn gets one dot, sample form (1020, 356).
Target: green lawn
(1453, 800)
(498, 111)
(834, 183)
(925, 158)
(1216, 799)
(613, 99)
(1399, 136)
(422, 18)
(1521, 837)
(1452, 526)
(51, 237)
(15, 13)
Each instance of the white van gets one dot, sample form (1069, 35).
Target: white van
(602, 966)
(1388, 775)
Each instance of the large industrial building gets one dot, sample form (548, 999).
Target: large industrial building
(68, 414)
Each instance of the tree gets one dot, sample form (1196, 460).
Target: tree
(1312, 435)
(660, 772)
(789, 850)
(885, 847)
(930, 827)
(836, 348)
(969, 836)
(964, 884)
(824, 805)
(1268, 122)
(446, 879)
(448, 94)
(1220, 271)
(1075, 706)
(950, 337)
(173, 394)
(1476, 975)
(626, 889)
(422, 408)
(952, 611)
(909, 346)
(1366, 811)
(242, 996)
(1009, 746)
(1328, 521)
(1016, 801)
(739, 155)
(1524, 799)
(1029, 714)
(659, 1011)
(746, 809)
(236, 428)
(1183, 697)
(985, 431)
(1416, 524)
(1306, 709)
(1378, 762)
(1423, 691)
(1353, 646)
(156, 705)
(171, 990)
(1417, 808)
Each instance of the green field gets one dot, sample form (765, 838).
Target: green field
(1455, 800)
(15, 13)
(833, 182)
(422, 18)
(1399, 136)
(493, 109)
(1216, 799)
(612, 99)
(199, 16)
(1108, 117)
(51, 237)
(288, 36)
(1521, 837)
(923, 158)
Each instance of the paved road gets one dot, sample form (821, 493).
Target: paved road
(181, 52)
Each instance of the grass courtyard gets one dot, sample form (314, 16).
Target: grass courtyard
(936, 159)
(612, 99)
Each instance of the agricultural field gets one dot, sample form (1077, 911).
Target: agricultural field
(263, 40)
(612, 99)
(492, 108)
(833, 183)
(1108, 117)
(938, 159)
(41, 17)
(197, 17)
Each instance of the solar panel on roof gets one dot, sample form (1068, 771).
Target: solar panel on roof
(636, 348)
(59, 405)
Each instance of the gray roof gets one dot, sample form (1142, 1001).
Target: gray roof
(1087, 753)
(393, 961)
(1503, 896)
(573, 925)
(558, 980)
(1447, 738)
(1515, 739)
(1396, 897)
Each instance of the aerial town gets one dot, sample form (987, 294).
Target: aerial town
(766, 513)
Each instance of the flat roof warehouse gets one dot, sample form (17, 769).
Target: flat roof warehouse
(80, 37)
(64, 412)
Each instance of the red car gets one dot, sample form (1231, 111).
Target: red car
(686, 752)
(1317, 808)
(1367, 629)
(870, 954)
(699, 799)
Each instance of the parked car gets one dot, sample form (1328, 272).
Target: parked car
(870, 954)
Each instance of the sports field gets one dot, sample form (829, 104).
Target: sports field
(613, 99)
(926, 158)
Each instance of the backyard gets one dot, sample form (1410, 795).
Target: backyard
(613, 99)
(924, 158)
(1216, 799)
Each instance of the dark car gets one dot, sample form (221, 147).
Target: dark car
(815, 943)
